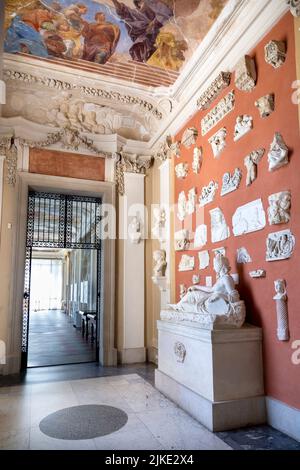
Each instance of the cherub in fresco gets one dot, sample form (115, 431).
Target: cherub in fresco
(143, 24)
(100, 39)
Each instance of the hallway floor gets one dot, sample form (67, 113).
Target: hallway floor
(53, 340)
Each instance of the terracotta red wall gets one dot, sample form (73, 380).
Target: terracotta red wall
(282, 378)
(51, 162)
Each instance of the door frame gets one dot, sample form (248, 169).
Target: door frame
(62, 185)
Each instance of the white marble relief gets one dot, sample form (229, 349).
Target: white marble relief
(182, 240)
(251, 162)
(208, 193)
(219, 229)
(160, 263)
(200, 238)
(278, 155)
(187, 263)
(280, 245)
(258, 274)
(275, 53)
(191, 202)
(204, 259)
(213, 91)
(168, 149)
(181, 170)
(244, 124)
(182, 290)
(294, 7)
(197, 159)
(220, 304)
(134, 230)
(218, 142)
(218, 113)
(189, 137)
(279, 210)
(266, 105)
(180, 352)
(209, 281)
(245, 74)
(249, 218)
(221, 250)
(159, 225)
(181, 206)
(230, 182)
(195, 279)
(242, 256)
(281, 310)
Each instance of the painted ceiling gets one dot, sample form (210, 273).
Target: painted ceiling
(146, 41)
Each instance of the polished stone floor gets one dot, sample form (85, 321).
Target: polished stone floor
(53, 340)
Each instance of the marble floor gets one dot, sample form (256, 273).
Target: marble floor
(154, 422)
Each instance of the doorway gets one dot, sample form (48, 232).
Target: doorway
(62, 289)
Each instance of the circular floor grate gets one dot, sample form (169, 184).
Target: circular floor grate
(83, 422)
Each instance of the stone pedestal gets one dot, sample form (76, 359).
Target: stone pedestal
(215, 375)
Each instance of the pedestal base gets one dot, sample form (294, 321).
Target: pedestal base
(216, 376)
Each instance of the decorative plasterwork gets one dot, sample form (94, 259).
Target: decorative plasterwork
(182, 240)
(251, 162)
(160, 263)
(189, 137)
(180, 351)
(278, 155)
(187, 263)
(219, 228)
(9, 149)
(258, 274)
(266, 105)
(275, 53)
(249, 218)
(200, 238)
(203, 259)
(218, 142)
(61, 85)
(197, 159)
(242, 256)
(168, 149)
(134, 230)
(245, 74)
(213, 91)
(279, 210)
(294, 7)
(181, 170)
(191, 202)
(231, 182)
(280, 245)
(131, 163)
(181, 206)
(218, 113)
(159, 225)
(243, 125)
(208, 193)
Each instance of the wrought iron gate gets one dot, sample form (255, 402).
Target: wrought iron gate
(61, 221)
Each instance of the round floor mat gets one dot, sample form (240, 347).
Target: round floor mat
(83, 422)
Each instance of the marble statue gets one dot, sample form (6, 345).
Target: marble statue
(266, 105)
(222, 300)
(251, 162)
(160, 219)
(281, 310)
(275, 53)
(134, 231)
(160, 266)
(243, 125)
(219, 228)
(278, 155)
(197, 159)
(279, 210)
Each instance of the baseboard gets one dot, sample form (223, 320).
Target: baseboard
(132, 356)
(283, 417)
(152, 355)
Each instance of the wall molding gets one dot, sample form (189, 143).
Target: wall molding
(283, 417)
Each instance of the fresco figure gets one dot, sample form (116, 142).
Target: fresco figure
(143, 24)
(169, 52)
(100, 39)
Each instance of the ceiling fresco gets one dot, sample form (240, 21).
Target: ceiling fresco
(141, 34)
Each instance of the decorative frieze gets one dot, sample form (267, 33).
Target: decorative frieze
(219, 228)
(230, 182)
(9, 150)
(251, 162)
(278, 155)
(218, 113)
(218, 142)
(213, 91)
(197, 159)
(131, 163)
(189, 137)
(187, 263)
(258, 274)
(279, 210)
(266, 105)
(294, 7)
(280, 245)
(249, 218)
(181, 170)
(245, 74)
(168, 149)
(281, 310)
(275, 53)
(243, 125)
(208, 193)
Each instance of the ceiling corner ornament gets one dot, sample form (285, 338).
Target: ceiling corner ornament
(213, 91)
(168, 149)
(131, 163)
(294, 7)
(218, 113)
(8, 148)
(85, 90)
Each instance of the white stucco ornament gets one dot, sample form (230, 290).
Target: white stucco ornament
(281, 310)
(191, 202)
(181, 170)
(219, 305)
(218, 142)
(182, 290)
(243, 125)
(266, 105)
(159, 224)
(230, 182)
(197, 159)
(208, 193)
(249, 218)
(180, 351)
(195, 279)
(160, 263)
(257, 274)
(280, 245)
(242, 256)
(245, 74)
(182, 206)
(200, 238)
(278, 155)
(275, 53)
(219, 228)
(294, 7)
(134, 230)
(203, 259)
(182, 240)
(189, 137)
(251, 162)
(187, 263)
(279, 210)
